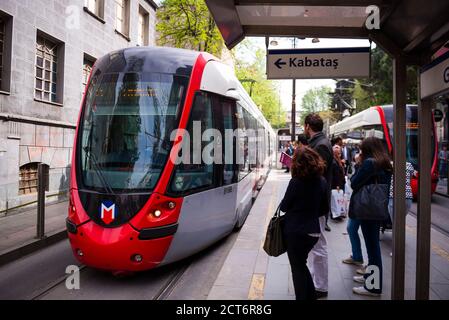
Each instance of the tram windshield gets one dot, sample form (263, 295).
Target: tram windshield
(411, 134)
(124, 139)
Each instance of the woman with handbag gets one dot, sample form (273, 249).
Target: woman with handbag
(304, 202)
(369, 205)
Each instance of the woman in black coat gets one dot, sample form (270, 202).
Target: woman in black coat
(305, 200)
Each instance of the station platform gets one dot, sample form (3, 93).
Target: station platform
(249, 273)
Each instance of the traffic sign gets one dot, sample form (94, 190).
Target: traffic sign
(321, 63)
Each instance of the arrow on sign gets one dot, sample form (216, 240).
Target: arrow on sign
(279, 63)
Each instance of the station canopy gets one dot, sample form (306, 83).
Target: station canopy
(409, 27)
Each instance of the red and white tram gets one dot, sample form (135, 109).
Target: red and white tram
(131, 207)
(378, 122)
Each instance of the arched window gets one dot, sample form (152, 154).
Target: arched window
(28, 178)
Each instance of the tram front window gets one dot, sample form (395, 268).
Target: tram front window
(411, 133)
(125, 130)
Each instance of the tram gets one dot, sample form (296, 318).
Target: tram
(134, 207)
(377, 121)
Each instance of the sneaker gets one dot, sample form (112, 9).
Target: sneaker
(352, 261)
(327, 228)
(359, 279)
(320, 294)
(361, 271)
(362, 291)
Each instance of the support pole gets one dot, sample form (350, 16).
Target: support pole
(293, 138)
(40, 226)
(424, 198)
(399, 153)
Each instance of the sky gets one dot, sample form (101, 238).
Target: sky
(302, 85)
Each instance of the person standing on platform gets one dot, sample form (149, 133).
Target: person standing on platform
(301, 142)
(338, 171)
(313, 128)
(301, 228)
(375, 168)
(289, 151)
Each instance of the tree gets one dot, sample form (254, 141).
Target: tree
(188, 24)
(315, 100)
(378, 89)
(265, 93)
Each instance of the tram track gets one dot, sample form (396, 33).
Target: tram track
(171, 283)
(53, 285)
(433, 225)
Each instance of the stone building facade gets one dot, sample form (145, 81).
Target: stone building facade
(47, 49)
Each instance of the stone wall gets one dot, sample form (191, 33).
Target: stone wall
(37, 139)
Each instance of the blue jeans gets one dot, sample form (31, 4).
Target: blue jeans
(353, 232)
(370, 231)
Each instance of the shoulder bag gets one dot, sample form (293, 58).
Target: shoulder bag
(274, 244)
(370, 202)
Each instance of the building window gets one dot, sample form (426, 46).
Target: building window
(28, 178)
(5, 51)
(88, 64)
(46, 70)
(95, 7)
(144, 20)
(122, 14)
(2, 45)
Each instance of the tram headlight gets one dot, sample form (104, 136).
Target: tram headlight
(157, 213)
(136, 258)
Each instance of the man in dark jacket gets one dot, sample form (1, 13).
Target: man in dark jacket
(313, 128)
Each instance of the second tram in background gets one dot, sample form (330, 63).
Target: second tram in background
(378, 122)
(131, 208)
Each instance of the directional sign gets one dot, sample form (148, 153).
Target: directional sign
(318, 63)
(435, 76)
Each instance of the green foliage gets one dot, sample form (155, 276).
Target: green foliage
(188, 24)
(265, 93)
(315, 100)
(378, 89)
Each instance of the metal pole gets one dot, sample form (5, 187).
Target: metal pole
(399, 152)
(40, 227)
(424, 198)
(293, 138)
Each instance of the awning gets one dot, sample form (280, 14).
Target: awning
(411, 27)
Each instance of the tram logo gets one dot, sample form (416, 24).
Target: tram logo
(107, 211)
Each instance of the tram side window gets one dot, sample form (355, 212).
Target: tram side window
(242, 144)
(227, 110)
(192, 173)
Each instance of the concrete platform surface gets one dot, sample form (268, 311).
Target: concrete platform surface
(249, 273)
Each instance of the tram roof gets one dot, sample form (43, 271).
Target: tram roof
(149, 59)
(406, 26)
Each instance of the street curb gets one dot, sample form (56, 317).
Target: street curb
(31, 246)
